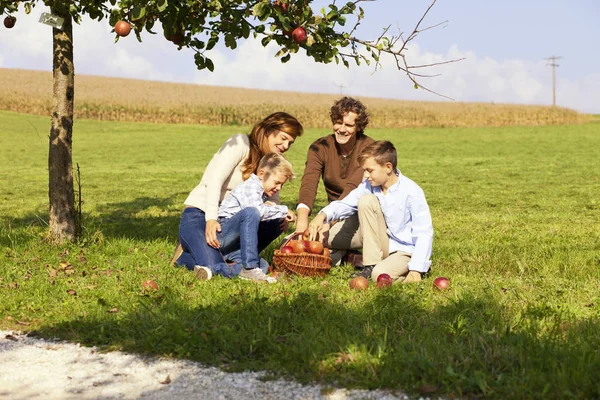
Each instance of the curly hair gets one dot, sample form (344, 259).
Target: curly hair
(348, 104)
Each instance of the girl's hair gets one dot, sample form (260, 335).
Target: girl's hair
(273, 163)
(259, 138)
(346, 105)
(382, 151)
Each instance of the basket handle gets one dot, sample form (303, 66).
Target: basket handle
(296, 235)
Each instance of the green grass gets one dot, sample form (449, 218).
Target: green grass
(517, 219)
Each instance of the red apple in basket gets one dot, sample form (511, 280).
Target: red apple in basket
(297, 246)
(286, 250)
(306, 235)
(315, 247)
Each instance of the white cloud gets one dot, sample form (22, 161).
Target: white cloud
(484, 79)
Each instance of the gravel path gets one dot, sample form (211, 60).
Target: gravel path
(34, 368)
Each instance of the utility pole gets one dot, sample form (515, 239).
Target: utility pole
(341, 86)
(553, 64)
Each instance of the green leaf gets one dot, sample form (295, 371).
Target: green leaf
(245, 29)
(27, 8)
(210, 65)
(162, 6)
(416, 86)
(138, 13)
(286, 58)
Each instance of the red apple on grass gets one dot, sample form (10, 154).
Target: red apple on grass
(441, 283)
(384, 280)
(122, 28)
(299, 35)
(149, 285)
(10, 21)
(359, 283)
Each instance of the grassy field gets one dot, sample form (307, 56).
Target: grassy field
(517, 219)
(116, 99)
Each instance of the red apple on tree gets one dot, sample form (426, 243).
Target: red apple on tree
(282, 6)
(10, 21)
(299, 35)
(122, 28)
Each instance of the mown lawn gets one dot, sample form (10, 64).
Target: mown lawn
(517, 218)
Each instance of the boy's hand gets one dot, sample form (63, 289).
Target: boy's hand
(317, 226)
(290, 217)
(413, 276)
(212, 227)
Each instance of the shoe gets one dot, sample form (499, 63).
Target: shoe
(354, 258)
(176, 255)
(256, 274)
(202, 273)
(365, 271)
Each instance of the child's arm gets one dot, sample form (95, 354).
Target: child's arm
(422, 231)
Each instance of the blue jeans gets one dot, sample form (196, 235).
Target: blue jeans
(196, 251)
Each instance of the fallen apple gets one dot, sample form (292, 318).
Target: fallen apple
(441, 283)
(381, 277)
(315, 247)
(359, 283)
(9, 21)
(122, 28)
(149, 285)
(287, 250)
(384, 283)
(299, 35)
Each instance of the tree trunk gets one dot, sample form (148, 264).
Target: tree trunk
(60, 164)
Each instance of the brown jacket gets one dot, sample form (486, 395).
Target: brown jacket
(340, 174)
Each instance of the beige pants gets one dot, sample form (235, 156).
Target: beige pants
(368, 230)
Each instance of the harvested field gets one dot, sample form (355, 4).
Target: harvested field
(118, 99)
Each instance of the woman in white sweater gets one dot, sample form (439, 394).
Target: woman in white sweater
(235, 161)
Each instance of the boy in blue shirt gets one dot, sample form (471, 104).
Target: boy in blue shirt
(395, 223)
(239, 215)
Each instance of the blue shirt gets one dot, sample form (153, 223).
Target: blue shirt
(250, 193)
(406, 214)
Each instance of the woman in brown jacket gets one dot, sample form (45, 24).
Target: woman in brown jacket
(335, 159)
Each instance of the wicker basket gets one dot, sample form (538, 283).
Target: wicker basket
(303, 264)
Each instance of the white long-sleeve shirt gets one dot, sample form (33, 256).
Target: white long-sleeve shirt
(222, 174)
(250, 193)
(406, 214)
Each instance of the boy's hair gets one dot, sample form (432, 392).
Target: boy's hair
(346, 105)
(382, 151)
(273, 163)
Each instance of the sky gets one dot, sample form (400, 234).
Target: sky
(505, 44)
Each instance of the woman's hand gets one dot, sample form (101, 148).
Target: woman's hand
(302, 221)
(212, 227)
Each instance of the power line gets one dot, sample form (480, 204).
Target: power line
(553, 64)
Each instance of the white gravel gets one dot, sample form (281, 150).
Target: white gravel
(34, 368)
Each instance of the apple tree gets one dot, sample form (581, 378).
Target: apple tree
(293, 25)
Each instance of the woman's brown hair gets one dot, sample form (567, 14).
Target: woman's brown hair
(259, 138)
